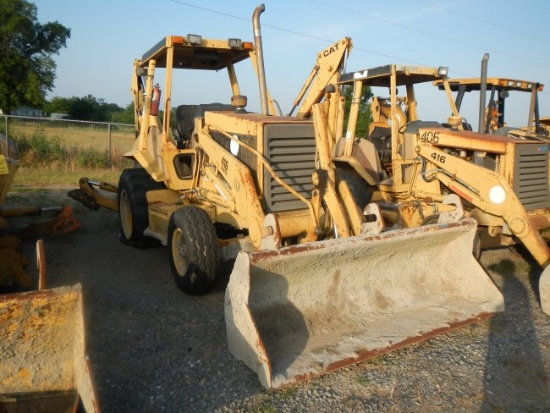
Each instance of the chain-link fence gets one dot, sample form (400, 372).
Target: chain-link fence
(33, 139)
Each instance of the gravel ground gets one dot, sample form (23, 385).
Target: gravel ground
(155, 349)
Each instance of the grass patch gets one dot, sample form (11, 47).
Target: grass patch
(362, 380)
(508, 267)
(263, 407)
(70, 147)
(39, 149)
(40, 177)
(76, 135)
(287, 393)
(503, 267)
(376, 361)
(46, 159)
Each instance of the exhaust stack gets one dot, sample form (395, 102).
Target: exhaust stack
(258, 45)
(482, 92)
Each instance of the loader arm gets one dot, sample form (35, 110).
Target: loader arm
(325, 178)
(94, 194)
(137, 88)
(486, 190)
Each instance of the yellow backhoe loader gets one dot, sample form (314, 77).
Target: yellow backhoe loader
(318, 280)
(494, 115)
(329, 64)
(431, 172)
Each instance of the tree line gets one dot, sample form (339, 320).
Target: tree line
(89, 108)
(28, 71)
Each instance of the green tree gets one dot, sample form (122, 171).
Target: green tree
(27, 70)
(57, 105)
(124, 116)
(364, 117)
(88, 108)
(112, 109)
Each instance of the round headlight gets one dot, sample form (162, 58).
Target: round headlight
(234, 146)
(497, 195)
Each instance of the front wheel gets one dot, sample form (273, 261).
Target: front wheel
(194, 257)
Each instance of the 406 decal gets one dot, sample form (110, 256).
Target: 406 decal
(429, 137)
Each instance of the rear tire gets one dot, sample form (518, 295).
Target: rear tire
(193, 245)
(132, 207)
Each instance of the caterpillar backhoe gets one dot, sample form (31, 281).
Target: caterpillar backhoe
(318, 281)
(494, 115)
(431, 170)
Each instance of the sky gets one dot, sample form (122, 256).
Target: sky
(107, 35)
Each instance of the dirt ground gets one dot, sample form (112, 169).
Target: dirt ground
(138, 323)
(153, 348)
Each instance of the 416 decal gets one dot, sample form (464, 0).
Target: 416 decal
(438, 157)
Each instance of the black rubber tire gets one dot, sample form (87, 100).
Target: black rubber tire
(430, 220)
(193, 246)
(133, 216)
(477, 246)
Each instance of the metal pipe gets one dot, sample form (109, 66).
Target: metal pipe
(109, 144)
(537, 114)
(7, 137)
(258, 45)
(533, 110)
(482, 90)
(148, 95)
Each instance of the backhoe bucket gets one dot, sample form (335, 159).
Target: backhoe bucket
(304, 310)
(43, 365)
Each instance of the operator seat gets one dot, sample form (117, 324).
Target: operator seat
(380, 130)
(185, 123)
(185, 119)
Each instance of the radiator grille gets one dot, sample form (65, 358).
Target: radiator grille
(531, 183)
(291, 151)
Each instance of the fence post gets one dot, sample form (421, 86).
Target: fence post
(109, 144)
(7, 136)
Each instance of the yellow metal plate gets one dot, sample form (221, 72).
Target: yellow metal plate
(3, 165)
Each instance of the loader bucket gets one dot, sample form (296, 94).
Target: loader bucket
(544, 290)
(308, 309)
(43, 365)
